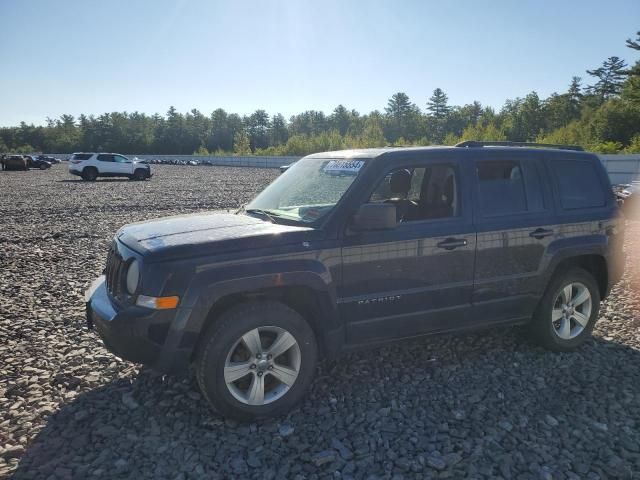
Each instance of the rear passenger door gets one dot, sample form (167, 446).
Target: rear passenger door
(513, 215)
(106, 163)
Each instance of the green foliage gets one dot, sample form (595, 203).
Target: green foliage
(241, 143)
(202, 151)
(604, 117)
(438, 104)
(606, 147)
(610, 78)
(634, 145)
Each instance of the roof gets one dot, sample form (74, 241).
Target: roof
(369, 153)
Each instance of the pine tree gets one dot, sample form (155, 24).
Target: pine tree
(241, 143)
(340, 119)
(610, 78)
(438, 104)
(634, 44)
(402, 118)
(399, 105)
(631, 89)
(279, 134)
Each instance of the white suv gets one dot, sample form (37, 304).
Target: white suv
(90, 166)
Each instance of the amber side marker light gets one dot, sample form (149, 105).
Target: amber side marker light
(157, 303)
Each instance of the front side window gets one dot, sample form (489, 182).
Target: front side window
(308, 190)
(121, 159)
(420, 193)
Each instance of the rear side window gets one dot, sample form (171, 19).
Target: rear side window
(501, 187)
(105, 158)
(81, 156)
(579, 185)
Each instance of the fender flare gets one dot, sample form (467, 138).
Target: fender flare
(209, 288)
(567, 248)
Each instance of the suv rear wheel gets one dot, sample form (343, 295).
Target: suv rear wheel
(568, 311)
(257, 361)
(89, 174)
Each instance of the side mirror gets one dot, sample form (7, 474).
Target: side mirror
(375, 216)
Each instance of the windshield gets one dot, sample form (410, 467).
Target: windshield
(308, 190)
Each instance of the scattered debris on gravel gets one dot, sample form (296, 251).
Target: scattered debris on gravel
(480, 405)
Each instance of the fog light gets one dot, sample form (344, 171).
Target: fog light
(157, 303)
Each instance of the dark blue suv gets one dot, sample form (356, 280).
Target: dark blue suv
(355, 248)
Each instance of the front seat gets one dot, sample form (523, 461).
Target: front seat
(400, 184)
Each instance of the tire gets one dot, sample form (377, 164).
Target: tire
(139, 175)
(89, 174)
(223, 344)
(575, 323)
(43, 166)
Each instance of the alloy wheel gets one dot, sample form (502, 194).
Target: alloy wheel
(262, 365)
(571, 310)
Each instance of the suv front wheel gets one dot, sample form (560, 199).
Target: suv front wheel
(568, 311)
(140, 174)
(258, 360)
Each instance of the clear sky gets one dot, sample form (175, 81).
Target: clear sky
(90, 56)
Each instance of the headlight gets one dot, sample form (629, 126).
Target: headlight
(133, 277)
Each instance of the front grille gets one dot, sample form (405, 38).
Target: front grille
(114, 272)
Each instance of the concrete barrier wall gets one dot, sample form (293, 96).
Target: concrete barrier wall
(622, 168)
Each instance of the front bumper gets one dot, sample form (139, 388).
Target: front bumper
(133, 333)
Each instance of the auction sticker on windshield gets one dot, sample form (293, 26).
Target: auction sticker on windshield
(347, 167)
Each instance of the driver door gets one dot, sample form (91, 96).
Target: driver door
(123, 165)
(418, 277)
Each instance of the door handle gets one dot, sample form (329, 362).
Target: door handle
(540, 233)
(451, 243)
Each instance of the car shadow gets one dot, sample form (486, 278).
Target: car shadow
(159, 425)
(100, 180)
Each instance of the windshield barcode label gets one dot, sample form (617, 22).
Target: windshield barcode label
(343, 166)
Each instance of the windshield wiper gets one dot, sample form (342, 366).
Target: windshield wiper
(264, 213)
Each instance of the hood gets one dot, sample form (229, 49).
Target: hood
(207, 234)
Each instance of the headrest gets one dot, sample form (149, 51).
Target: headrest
(400, 181)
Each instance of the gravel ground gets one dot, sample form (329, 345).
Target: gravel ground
(481, 405)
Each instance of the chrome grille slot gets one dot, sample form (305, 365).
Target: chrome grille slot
(114, 271)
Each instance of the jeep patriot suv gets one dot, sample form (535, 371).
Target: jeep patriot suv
(355, 248)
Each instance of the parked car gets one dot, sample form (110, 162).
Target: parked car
(90, 166)
(36, 162)
(360, 247)
(628, 197)
(15, 162)
(47, 158)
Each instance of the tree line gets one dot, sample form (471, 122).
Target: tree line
(602, 116)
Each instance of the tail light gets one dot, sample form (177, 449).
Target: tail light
(76, 161)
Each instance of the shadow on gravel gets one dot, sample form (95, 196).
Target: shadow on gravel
(100, 180)
(459, 401)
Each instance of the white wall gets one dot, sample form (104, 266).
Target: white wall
(622, 168)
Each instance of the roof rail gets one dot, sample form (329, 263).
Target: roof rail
(476, 144)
